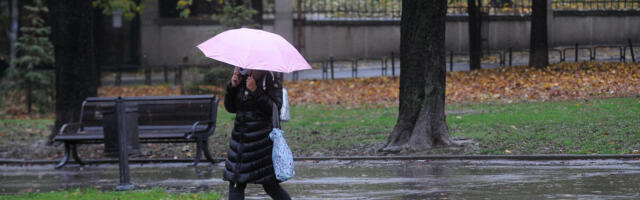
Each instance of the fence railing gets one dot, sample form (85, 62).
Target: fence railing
(392, 9)
(387, 65)
(590, 5)
(351, 9)
(492, 7)
(507, 57)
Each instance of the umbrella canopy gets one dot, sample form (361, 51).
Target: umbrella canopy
(254, 49)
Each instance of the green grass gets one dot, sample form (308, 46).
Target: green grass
(94, 194)
(321, 128)
(602, 126)
(17, 130)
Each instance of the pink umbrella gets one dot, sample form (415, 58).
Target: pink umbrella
(254, 49)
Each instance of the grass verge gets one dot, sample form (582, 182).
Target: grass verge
(600, 126)
(95, 194)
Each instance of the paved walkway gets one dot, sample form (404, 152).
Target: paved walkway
(373, 68)
(409, 179)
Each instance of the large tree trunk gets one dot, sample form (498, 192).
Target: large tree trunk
(475, 34)
(72, 37)
(538, 46)
(421, 120)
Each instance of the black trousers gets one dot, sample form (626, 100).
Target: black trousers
(274, 190)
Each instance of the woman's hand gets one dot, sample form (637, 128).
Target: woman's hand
(235, 79)
(251, 84)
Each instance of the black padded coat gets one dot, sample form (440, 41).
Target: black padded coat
(249, 153)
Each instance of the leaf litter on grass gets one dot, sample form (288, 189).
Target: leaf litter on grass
(563, 81)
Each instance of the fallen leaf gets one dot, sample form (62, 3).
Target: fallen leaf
(559, 81)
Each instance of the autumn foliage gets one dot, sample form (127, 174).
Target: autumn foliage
(563, 81)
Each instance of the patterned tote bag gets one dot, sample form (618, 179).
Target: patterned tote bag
(281, 154)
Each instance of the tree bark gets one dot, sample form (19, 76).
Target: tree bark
(538, 46)
(475, 34)
(239, 2)
(14, 10)
(421, 121)
(72, 37)
(257, 18)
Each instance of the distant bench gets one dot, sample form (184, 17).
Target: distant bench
(167, 119)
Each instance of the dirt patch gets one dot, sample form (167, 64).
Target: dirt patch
(38, 149)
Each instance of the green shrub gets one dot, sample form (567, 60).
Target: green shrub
(34, 49)
(16, 83)
(218, 76)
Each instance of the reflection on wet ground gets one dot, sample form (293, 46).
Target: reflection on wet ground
(599, 179)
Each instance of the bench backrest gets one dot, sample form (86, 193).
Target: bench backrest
(168, 111)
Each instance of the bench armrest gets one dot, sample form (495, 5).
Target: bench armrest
(195, 125)
(67, 125)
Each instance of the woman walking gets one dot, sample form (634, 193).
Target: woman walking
(251, 95)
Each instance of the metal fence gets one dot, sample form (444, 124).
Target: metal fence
(389, 65)
(351, 9)
(392, 9)
(333, 68)
(492, 7)
(590, 5)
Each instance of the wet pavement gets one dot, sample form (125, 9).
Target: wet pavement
(419, 179)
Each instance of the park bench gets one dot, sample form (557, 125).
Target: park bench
(168, 119)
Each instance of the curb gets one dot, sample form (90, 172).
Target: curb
(482, 157)
(355, 158)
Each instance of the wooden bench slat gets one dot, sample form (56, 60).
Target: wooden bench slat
(76, 137)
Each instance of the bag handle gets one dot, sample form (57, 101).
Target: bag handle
(276, 116)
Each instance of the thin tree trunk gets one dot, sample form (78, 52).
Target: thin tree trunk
(98, 27)
(13, 34)
(257, 18)
(538, 46)
(421, 123)
(475, 34)
(71, 35)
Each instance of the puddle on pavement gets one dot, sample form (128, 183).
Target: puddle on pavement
(603, 179)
